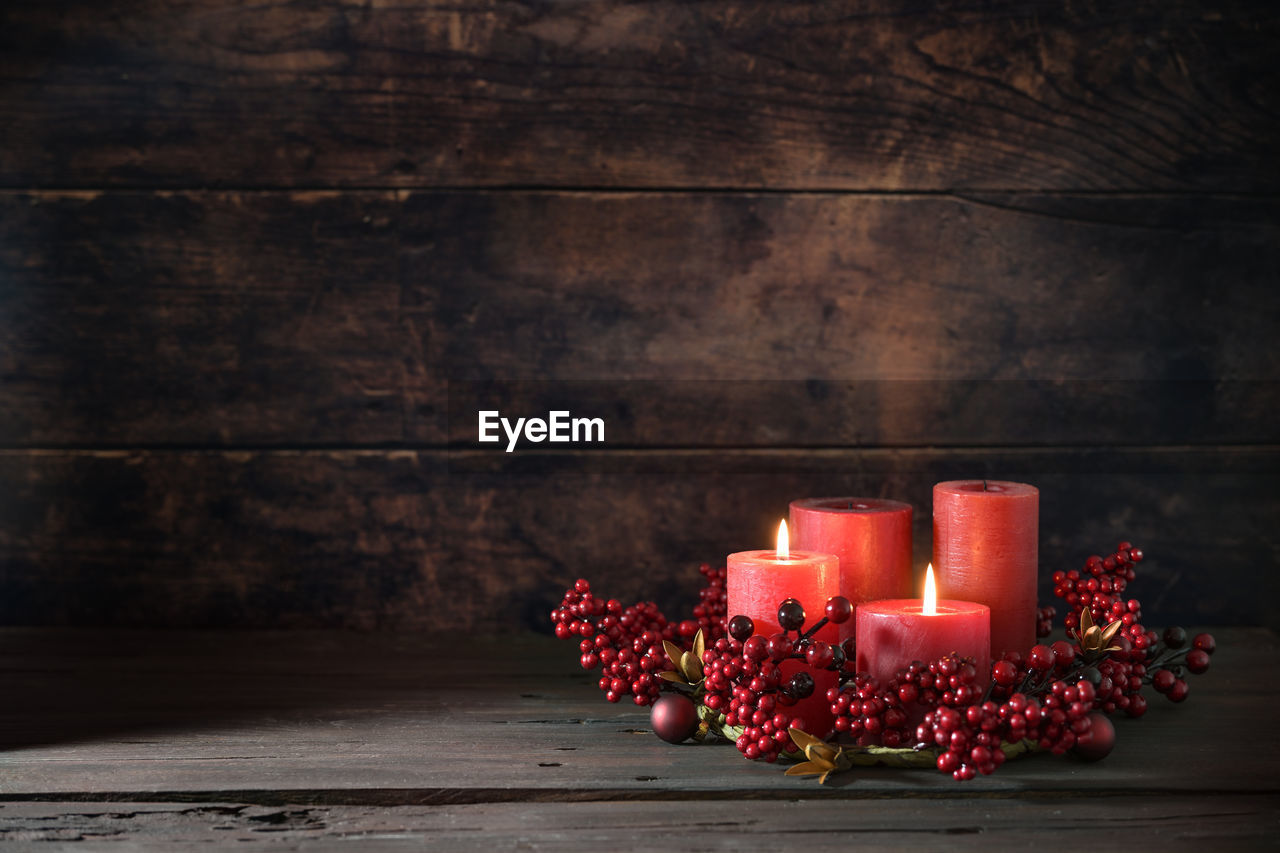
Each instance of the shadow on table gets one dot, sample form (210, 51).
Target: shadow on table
(65, 686)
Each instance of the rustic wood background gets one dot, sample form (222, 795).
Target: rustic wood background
(258, 262)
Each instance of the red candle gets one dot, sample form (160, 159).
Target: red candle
(758, 581)
(985, 547)
(892, 634)
(872, 538)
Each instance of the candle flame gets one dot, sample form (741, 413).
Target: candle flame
(930, 593)
(784, 544)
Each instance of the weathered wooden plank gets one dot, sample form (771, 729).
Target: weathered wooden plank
(379, 720)
(866, 95)
(199, 319)
(314, 319)
(1237, 822)
(432, 540)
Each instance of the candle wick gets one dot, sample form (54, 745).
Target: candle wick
(850, 504)
(984, 485)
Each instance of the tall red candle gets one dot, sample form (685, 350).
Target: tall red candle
(892, 634)
(872, 538)
(985, 549)
(758, 581)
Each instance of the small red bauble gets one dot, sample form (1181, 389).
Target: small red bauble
(1097, 743)
(674, 718)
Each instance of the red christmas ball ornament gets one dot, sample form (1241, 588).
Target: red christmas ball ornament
(674, 718)
(1097, 743)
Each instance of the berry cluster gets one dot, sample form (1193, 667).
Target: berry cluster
(1100, 587)
(743, 677)
(711, 611)
(970, 737)
(627, 643)
(865, 712)
(1055, 697)
(1044, 621)
(1137, 655)
(1170, 663)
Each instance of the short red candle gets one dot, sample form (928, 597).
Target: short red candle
(872, 538)
(985, 549)
(892, 634)
(758, 581)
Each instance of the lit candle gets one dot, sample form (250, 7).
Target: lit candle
(892, 634)
(758, 581)
(985, 545)
(872, 538)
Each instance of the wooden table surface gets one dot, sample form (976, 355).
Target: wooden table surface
(323, 740)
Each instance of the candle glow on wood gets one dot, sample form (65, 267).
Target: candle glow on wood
(783, 550)
(930, 593)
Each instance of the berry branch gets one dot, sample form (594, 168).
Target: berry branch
(711, 678)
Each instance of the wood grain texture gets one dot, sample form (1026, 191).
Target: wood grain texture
(848, 95)
(318, 740)
(331, 718)
(1228, 823)
(483, 542)
(321, 319)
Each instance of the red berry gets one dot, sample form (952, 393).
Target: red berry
(1041, 657)
(1197, 660)
(790, 615)
(741, 627)
(1179, 691)
(756, 648)
(1004, 673)
(819, 655)
(801, 685)
(780, 647)
(1163, 680)
(1204, 642)
(839, 609)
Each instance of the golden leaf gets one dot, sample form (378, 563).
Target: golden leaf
(804, 740)
(1092, 637)
(691, 666)
(1110, 630)
(699, 645)
(1086, 621)
(673, 652)
(672, 675)
(811, 768)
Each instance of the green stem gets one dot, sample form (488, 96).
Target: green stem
(907, 757)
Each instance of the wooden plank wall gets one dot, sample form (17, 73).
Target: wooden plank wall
(260, 263)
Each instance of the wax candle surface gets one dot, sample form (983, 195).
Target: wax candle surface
(758, 581)
(872, 538)
(985, 548)
(892, 634)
